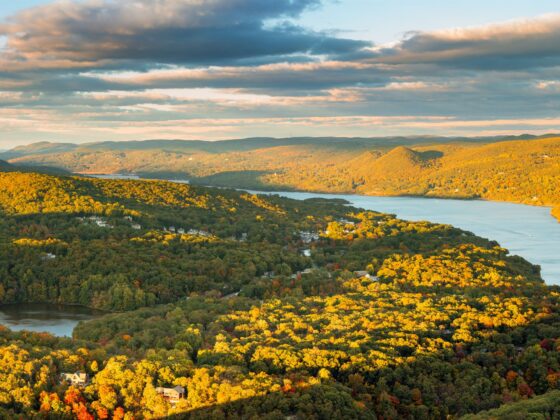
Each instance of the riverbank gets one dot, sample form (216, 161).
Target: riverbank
(527, 231)
(553, 207)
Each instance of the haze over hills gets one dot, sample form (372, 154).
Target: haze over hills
(524, 169)
(224, 146)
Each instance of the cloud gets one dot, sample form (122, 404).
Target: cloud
(57, 128)
(105, 33)
(511, 45)
(280, 76)
(181, 100)
(95, 69)
(552, 86)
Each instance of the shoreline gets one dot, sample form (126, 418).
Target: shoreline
(554, 209)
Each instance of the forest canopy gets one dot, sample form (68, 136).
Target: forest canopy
(263, 307)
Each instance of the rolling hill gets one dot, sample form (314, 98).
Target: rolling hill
(524, 170)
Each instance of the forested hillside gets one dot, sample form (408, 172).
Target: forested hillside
(262, 307)
(546, 406)
(523, 171)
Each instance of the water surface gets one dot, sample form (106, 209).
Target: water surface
(58, 320)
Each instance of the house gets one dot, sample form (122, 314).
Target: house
(136, 226)
(360, 274)
(306, 253)
(231, 295)
(173, 395)
(198, 232)
(48, 256)
(172, 229)
(100, 222)
(103, 224)
(308, 237)
(346, 222)
(79, 379)
(181, 231)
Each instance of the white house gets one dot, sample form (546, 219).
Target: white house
(100, 222)
(173, 395)
(198, 232)
(79, 379)
(360, 274)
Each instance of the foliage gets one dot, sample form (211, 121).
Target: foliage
(545, 406)
(386, 318)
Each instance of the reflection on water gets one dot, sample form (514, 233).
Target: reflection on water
(528, 231)
(58, 320)
(115, 176)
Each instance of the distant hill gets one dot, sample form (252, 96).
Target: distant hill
(38, 149)
(7, 167)
(223, 146)
(522, 169)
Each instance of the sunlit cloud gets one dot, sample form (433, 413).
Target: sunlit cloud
(548, 85)
(181, 74)
(99, 33)
(223, 97)
(515, 44)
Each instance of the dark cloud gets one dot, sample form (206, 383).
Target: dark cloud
(96, 33)
(513, 45)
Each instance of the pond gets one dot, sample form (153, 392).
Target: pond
(58, 320)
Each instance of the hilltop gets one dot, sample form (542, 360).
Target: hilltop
(223, 146)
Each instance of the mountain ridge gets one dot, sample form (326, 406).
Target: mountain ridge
(514, 169)
(43, 147)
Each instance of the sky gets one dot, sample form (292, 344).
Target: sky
(94, 70)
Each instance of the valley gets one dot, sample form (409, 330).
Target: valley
(516, 170)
